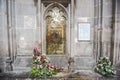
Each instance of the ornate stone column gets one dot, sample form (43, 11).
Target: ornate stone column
(98, 29)
(72, 49)
(10, 6)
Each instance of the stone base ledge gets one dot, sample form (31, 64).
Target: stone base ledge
(77, 75)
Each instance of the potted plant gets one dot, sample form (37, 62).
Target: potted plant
(104, 67)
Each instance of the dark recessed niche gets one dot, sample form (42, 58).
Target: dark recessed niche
(63, 2)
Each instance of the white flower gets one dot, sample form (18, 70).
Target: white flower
(39, 58)
(102, 67)
(107, 57)
(97, 69)
(109, 63)
(109, 70)
(103, 72)
(44, 54)
(114, 72)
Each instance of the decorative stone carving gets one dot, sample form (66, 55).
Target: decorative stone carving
(63, 2)
(9, 64)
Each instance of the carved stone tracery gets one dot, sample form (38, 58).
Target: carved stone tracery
(63, 2)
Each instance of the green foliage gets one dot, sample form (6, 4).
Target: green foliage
(42, 67)
(35, 72)
(104, 67)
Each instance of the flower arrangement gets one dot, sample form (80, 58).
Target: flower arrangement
(41, 65)
(104, 67)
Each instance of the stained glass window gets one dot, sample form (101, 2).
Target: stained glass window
(56, 24)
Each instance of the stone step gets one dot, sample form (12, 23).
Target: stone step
(23, 62)
(117, 69)
(84, 63)
(22, 68)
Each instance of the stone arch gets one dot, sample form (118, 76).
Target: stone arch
(53, 5)
(52, 21)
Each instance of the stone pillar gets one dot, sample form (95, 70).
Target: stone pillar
(6, 49)
(116, 56)
(108, 27)
(39, 24)
(98, 28)
(71, 59)
(9, 60)
(103, 28)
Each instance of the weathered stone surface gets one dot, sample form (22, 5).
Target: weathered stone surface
(117, 69)
(26, 28)
(22, 64)
(2, 64)
(84, 63)
(23, 61)
(15, 75)
(59, 61)
(78, 75)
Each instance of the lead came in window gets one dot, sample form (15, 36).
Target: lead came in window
(56, 24)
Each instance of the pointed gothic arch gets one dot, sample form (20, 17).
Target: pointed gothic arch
(55, 17)
(50, 6)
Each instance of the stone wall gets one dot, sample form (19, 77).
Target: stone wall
(26, 27)
(83, 50)
(22, 27)
(25, 32)
(107, 29)
(30, 31)
(104, 28)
